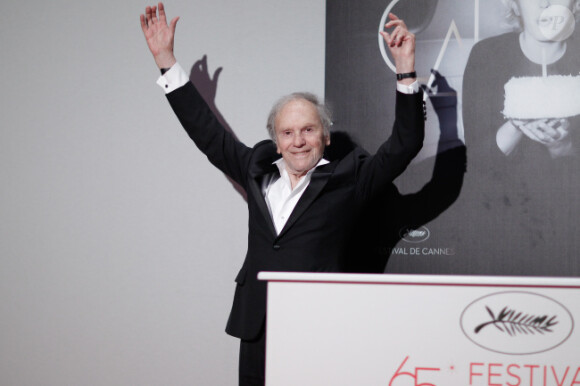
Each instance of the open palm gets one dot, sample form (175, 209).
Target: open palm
(159, 35)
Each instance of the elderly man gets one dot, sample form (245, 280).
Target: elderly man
(301, 206)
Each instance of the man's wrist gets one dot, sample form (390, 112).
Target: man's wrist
(405, 70)
(165, 61)
(406, 75)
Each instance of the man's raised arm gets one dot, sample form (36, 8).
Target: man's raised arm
(401, 44)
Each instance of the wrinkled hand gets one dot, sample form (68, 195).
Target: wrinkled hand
(545, 131)
(159, 35)
(401, 43)
(553, 133)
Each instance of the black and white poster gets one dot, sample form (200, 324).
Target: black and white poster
(496, 187)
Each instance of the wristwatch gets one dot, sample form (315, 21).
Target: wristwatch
(407, 75)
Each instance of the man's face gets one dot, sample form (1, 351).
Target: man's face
(537, 19)
(300, 136)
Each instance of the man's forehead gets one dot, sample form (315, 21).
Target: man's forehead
(298, 107)
(298, 102)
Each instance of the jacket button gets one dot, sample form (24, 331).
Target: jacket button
(276, 247)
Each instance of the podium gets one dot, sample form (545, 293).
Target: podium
(421, 330)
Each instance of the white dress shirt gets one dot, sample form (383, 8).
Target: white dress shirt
(280, 196)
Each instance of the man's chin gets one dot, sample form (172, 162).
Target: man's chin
(300, 168)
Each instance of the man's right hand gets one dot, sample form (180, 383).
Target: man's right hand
(159, 35)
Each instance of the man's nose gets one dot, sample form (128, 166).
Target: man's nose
(299, 140)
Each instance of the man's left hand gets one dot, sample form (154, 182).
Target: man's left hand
(401, 43)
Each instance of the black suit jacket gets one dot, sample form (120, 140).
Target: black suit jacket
(317, 234)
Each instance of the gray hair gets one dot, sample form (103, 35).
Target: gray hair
(515, 21)
(321, 108)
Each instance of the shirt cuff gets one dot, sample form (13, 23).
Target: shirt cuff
(413, 88)
(173, 78)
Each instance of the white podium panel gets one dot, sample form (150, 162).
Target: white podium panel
(421, 330)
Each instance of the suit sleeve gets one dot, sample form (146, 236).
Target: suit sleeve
(377, 172)
(220, 146)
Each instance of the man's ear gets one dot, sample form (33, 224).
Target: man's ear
(327, 140)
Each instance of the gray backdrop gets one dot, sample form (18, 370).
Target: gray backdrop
(114, 267)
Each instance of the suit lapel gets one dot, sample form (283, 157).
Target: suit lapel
(258, 173)
(318, 181)
(264, 169)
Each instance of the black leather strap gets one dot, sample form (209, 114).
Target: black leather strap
(407, 75)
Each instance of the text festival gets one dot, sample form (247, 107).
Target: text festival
(418, 251)
(490, 374)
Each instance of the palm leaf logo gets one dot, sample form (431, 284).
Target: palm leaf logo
(513, 323)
